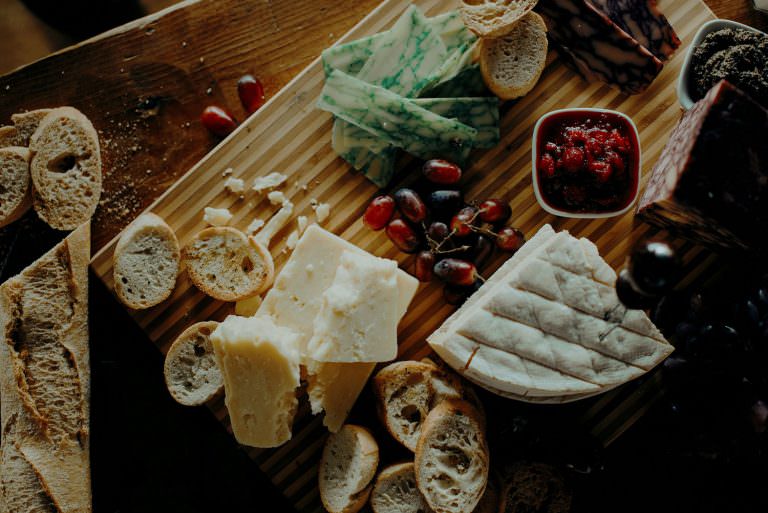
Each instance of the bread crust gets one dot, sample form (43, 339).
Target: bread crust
(11, 211)
(26, 124)
(174, 355)
(494, 18)
(358, 494)
(9, 136)
(398, 470)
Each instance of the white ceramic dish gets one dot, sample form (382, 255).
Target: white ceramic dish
(684, 89)
(535, 159)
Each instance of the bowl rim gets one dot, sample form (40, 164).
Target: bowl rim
(535, 158)
(683, 80)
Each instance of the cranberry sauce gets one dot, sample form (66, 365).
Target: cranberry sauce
(587, 162)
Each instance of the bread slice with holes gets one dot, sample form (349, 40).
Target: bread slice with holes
(146, 262)
(225, 264)
(512, 64)
(191, 373)
(26, 124)
(452, 460)
(9, 136)
(395, 491)
(494, 18)
(65, 168)
(347, 467)
(15, 185)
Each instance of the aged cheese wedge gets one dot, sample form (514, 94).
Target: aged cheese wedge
(548, 325)
(260, 365)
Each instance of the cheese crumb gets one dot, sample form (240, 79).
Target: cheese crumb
(322, 212)
(302, 222)
(255, 226)
(275, 224)
(272, 180)
(276, 198)
(293, 239)
(217, 216)
(248, 307)
(228, 171)
(235, 185)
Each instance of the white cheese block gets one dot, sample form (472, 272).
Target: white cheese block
(334, 388)
(357, 321)
(260, 365)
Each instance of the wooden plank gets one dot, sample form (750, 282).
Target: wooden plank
(290, 135)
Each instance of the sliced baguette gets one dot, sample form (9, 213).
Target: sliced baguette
(494, 18)
(395, 491)
(65, 168)
(452, 460)
(191, 373)
(146, 262)
(347, 467)
(9, 136)
(225, 264)
(512, 64)
(534, 487)
(26, 124)
(15, 185)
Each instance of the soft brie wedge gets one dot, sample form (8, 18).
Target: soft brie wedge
(549, 326)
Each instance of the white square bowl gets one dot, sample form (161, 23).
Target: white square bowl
(684, 88)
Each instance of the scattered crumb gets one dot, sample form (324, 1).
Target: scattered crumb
(202, 60)
(217, 216)
(270, 181)
(302, 222)
(304, 188)
(255, 226)
(209, 91)
(228, 171)
(235, 185)
(248, 307)
(322, 212)
(313, 203)
(293, 239)
(183, 44)
(276, 197)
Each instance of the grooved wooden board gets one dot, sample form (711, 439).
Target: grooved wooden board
(291, 136)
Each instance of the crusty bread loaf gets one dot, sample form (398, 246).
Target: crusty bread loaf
(9, 136)
(146, 262)
(406, 392)
(512, 64)
(534, 487)
(15, 185)
(65, 168)
(494, 18)
(26, 124)
(347, 467)
(227, 265)
(191, 373)
(395, 491)
(45, 383)
(452, 460)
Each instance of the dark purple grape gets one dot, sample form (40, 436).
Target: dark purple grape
(759, 416)
(425, 262)
(456, 272)
(438, 231)
(762, 299)
(410, 205)
(629, 296)
(445, 203)
(481, 251)
(749, 316)
(654, 267)
(676, 365)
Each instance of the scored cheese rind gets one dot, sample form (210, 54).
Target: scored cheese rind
(548, 325)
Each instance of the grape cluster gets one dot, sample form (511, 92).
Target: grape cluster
(450, 237)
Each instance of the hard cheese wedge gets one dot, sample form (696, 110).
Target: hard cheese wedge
(549, 325)
(260, 365)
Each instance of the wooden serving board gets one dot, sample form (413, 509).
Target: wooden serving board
(291, 136)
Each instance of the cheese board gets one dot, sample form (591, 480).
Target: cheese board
(289, 135)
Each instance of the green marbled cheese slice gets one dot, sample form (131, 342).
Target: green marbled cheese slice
(482, 114)
(397, 121)
(469, 82)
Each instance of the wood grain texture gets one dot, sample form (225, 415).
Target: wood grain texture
(290, 135)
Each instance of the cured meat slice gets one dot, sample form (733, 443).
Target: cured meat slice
(642, 20)
(711, 182)
(598, 48)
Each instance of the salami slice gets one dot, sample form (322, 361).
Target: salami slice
(597, 47)
(642, 20)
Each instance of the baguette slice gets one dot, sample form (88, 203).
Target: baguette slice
(494, 18)
(225, 264)
(26, 124)
(9, 136)
(512, 64)
(452, 460)
(347, 467)
(65, 168)
(395, 491)
(192, 374)
(534, 487)
(15, 186)
(146, 262)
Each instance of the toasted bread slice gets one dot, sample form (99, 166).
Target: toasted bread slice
(26, 124)
(146, 262)
(227, 265)
(65, 168)
(395, 491)
(9, 136)
(15, 185)
(494, 18)
(512, 64)
(349, 462)
(452, 460)
(191, 373)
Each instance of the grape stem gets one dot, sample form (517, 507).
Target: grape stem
(454, 250)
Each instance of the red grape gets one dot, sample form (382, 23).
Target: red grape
(425, 262)
(251, 93)
(441, 172)
(482, 250)
(445, 203)
(495, 211)
(410, 204)
(379, 212)
(456, 272)
(461, 224)
(218, 121)
(438, 231)
(403, 236)
(510, 239)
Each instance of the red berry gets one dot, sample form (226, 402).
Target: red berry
(547, 165)
(510, 239)
(425, 263)
(403, 236)
(576, 135)
(574, 194)
(251, 93)
(441, 172)
(495, 211)
(461, 224)
(617, 142)
(456, 272)
(599, 135)
(379, 212)
(411, 205)
(573, 159)
(218, 121)
(595, 147)
(601, 170)
(550, 147)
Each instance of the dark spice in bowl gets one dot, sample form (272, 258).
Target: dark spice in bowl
(737, 55)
